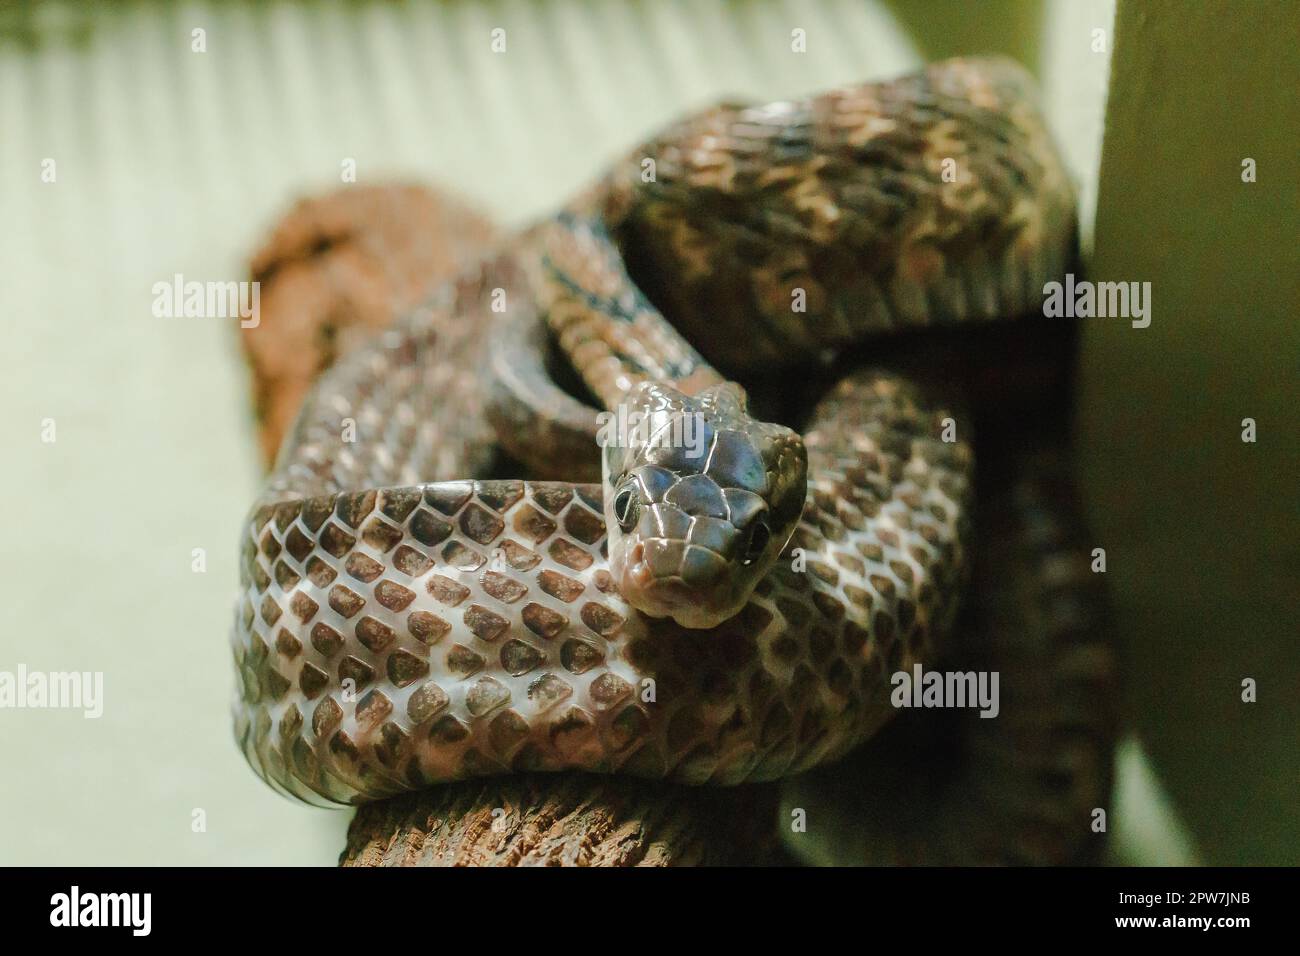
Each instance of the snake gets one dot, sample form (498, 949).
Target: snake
(531, 527)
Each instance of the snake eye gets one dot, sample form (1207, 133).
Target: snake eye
(756, 543)
(627, 507)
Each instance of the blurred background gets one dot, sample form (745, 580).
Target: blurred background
(141, 140)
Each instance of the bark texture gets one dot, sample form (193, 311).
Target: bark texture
(568, 820)
(335, 270)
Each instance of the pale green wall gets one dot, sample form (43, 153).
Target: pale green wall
(1200, 528)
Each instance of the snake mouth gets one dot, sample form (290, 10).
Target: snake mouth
(669, 593)
(700, 603)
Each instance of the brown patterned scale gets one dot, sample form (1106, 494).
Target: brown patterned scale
(398, 637)
(398, 628)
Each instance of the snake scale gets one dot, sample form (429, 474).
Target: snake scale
(719, 612)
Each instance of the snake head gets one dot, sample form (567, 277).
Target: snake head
(699, 500)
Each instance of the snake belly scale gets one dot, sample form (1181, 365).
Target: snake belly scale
(402, 623)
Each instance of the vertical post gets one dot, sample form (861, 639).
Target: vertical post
(1197, 511)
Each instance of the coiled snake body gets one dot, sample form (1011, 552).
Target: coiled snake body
(725, 613)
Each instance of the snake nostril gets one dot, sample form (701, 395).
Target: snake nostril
(756, 542)
(627, 508)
